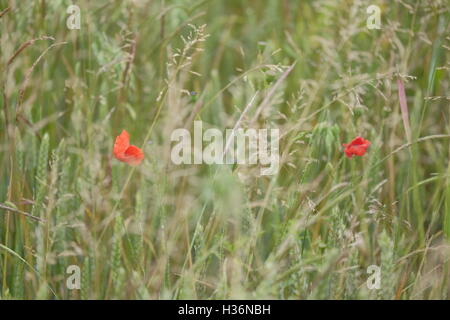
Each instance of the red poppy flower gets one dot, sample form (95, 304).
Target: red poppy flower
(357, 147)
(125, 152)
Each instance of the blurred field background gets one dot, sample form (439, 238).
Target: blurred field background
(163, 231)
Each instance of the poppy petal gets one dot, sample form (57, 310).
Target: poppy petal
(125, 152)
(134, 155)
(357, 147)
(122, 143)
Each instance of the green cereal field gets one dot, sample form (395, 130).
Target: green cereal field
(224, 149)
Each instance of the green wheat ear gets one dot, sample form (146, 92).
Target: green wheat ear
(40, 186)
(117, 254)
(388, 277)
(41, 172)
(137, 239)
(86, 278)
(351, 283)
(63, 167)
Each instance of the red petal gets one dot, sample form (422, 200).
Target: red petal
(125, 152)
(357, 147)
(133, 155)
(121, 144)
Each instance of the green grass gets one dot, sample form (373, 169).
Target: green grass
(164, 231)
